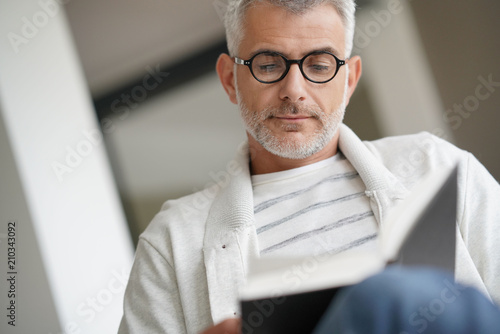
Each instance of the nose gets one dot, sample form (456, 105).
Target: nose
(293, 85)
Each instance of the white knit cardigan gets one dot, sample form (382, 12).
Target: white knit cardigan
(192, 258)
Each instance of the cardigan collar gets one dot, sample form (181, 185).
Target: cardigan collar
(382, 187)
(230, 239)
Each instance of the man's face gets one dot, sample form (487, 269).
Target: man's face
(293, 118)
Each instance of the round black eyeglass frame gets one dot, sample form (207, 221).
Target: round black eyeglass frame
(288, 63)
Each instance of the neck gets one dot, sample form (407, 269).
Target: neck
(263, 161)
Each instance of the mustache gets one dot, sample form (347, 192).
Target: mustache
(290, 108)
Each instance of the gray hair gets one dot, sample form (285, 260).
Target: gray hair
(236, 9)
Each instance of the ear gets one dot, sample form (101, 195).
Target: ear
(225, 70)
(354, 75)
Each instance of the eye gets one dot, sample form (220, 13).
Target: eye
(320, 65)
(271, 67)
(319, 68)
(268, 63)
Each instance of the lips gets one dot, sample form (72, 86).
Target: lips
(292, 117)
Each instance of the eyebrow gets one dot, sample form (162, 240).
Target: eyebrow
(325, 49)
(253, 53)
(329, 49)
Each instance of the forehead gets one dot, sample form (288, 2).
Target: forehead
(269, 27)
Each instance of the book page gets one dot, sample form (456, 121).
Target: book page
(271, 277)
(428, 212)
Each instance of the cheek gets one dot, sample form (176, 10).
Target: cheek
(331, 98)
(243, 85)
(256, 96)
(265, 97)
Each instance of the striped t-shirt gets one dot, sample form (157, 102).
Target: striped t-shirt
(315, 209)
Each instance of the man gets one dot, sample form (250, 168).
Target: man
(302, 173)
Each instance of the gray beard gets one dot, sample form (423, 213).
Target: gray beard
(288, 148)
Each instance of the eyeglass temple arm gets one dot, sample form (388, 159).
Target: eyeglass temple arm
(241, 61)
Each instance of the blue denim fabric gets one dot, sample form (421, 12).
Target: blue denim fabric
(410, 300)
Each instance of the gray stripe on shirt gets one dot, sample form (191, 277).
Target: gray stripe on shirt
(353, 244)
(315, 206)
(266, 204)
(326, 228)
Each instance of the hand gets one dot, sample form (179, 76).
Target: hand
(228, 326)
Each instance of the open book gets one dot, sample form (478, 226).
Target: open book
(289, 295)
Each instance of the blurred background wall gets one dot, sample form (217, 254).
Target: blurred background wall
(168, 128)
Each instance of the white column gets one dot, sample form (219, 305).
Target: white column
(65, 178)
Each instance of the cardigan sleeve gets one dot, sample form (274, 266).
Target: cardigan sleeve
(479, 222)
(152, 303)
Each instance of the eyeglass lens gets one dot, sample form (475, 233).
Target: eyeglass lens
(320, 67)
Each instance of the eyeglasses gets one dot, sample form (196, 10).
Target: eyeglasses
(270, 67)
